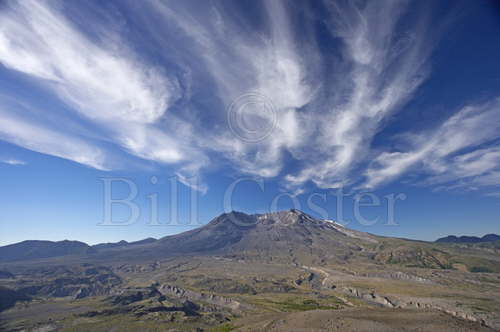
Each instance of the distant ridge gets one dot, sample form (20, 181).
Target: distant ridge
(123, 243)
(469, 239)
(34, 249)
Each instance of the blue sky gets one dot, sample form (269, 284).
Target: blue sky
(277, 99)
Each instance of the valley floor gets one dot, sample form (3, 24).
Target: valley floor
(60, 316)
(359, 319)
(214, 293)
(283, 271)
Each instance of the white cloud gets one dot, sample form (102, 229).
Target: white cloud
(239, 63)
(493, 194)
(102, 80)
(50, 141)
(377, 74)
(442, 153)
(325, 107)
(14, 162)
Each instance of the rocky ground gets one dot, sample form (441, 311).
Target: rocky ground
(295, 273)
(373, 320)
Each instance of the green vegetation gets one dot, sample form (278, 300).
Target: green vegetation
(478, 264)
(480, 269)
(410, 254)
(304, 305)
(226, 327)
(220, 285)
(283, 302)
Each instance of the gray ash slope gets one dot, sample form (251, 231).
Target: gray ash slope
(288, 235)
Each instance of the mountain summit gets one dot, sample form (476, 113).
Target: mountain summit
(285, 235)
(289, 237)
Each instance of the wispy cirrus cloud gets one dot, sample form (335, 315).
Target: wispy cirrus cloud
(14, 162)
(164, 91)
(102, 80)
(240, 62)
(378, 71)
(493, 194)
(448, 153)
(39, 138)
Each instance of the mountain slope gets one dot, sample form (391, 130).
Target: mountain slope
(469, 239)
(33, 249)
(288, 236)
